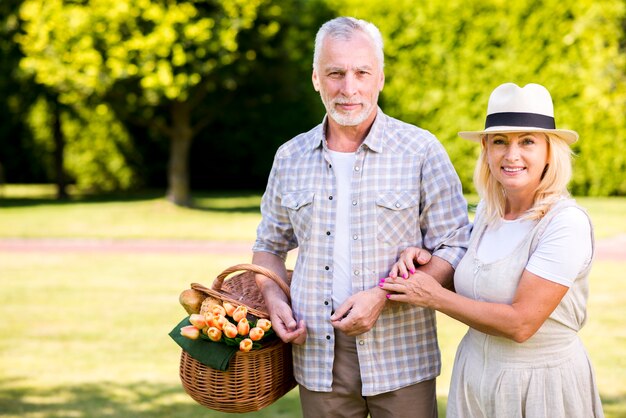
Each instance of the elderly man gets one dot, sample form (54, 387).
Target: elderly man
(351, 194)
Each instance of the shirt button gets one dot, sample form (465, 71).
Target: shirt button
(356, 272)
(361, 342)
(328, 337)
(355, 236)
(327, 232)
(326, 302)
(326, 268)
(354, 203)
(357, 168)
(330, 198)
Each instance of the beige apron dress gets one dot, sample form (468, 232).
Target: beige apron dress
(550, 374)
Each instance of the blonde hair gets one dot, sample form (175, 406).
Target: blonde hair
(552, 187)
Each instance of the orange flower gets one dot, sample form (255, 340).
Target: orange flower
(230, 330)
(229, 308)
(210, 319)
(264, 324)
(198, 321)
(245, 344)
(217, 321)
(243, 327)
(240, 313)
(214, 334)
(190, 332)
(256, 333)
(218, 310)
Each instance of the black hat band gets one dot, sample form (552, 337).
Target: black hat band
(533, 120)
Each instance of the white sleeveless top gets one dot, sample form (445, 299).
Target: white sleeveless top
(560, 254)
(550, 374)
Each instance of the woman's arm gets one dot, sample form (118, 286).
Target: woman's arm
(534, 301)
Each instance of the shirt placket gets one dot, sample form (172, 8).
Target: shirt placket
(357, 249)
(326, 232)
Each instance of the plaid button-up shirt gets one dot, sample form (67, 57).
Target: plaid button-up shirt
(405, 192)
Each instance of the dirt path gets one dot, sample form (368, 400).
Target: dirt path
(611, 249)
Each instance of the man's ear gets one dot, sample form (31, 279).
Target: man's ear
(316, 81)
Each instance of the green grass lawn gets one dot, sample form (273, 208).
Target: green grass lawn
(85, 334)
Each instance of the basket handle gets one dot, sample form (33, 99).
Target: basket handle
(219, 280)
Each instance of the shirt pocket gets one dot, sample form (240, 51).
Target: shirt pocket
(299, 206)
(397, 216)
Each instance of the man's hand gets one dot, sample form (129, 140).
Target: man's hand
(285, 325)
(359, 312)
(281, 315)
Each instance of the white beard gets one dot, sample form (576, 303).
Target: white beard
(347, 119)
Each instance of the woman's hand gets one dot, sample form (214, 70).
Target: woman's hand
(420, 289)
(409, 260)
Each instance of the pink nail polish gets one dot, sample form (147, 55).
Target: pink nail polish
(412, 271)
(388, 296)
(405, 276)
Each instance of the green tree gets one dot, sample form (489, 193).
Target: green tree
(144, 57)
(95, 151)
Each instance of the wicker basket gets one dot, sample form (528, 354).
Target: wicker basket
(254, 379)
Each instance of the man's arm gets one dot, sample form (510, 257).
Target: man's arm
(444, 220)
(277, 303)
(440, 270)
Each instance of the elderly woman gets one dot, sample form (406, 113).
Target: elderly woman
(522, 286)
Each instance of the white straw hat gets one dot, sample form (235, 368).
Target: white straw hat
(515, 109)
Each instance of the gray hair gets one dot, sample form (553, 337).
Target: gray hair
(344, 28)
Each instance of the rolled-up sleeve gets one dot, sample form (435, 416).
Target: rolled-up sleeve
(444, 221)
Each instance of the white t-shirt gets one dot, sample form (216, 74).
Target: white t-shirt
(343, 165)
(563, 249)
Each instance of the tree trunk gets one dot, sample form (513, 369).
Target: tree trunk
(59, 150)
(180, 142)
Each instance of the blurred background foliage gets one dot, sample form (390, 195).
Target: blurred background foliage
(197, 95)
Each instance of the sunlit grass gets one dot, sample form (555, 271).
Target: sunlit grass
(31, 212)
(85, 335)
